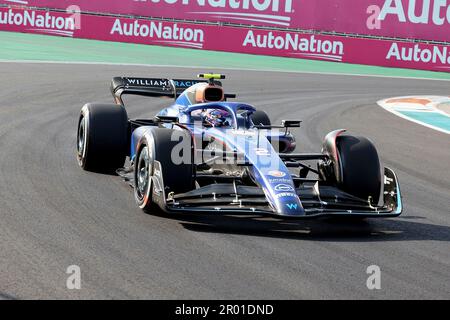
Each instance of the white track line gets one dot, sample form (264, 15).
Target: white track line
(430, 107)
(415, 121)
(215, 68)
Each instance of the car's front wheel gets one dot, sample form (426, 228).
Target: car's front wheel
(361, 168)
(353, 165)
(177, 176)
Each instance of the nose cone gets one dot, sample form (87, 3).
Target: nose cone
(288, 204)
(271, 174)
(280, 191)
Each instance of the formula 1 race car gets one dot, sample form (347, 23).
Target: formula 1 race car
(205, 154)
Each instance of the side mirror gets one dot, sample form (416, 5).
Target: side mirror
(291, 124)
(167, 119)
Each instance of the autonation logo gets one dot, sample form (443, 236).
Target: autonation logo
(308, 47)
(41, 22)
(275, 12)
(417, 12)
(163, 33)
(417, 53)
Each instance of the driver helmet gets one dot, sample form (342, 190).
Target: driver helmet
(217, 118)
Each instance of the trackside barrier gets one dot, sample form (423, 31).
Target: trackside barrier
(413, 19)
(230, 39)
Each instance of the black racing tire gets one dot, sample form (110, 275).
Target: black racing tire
(361, 168)
(260, 117)
(178, 178)
(102, 137)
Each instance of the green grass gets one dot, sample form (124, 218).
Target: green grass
(21, 46)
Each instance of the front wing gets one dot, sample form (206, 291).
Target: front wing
(229, 198)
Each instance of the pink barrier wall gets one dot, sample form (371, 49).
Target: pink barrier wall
(231, 39)
(419, 19)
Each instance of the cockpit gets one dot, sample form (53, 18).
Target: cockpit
(206, 103)
(207, 93)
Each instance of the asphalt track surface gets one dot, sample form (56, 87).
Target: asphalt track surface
(52, 214)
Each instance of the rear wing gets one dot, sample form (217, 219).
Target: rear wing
(150, 87)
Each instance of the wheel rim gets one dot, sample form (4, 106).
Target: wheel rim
(81, 140)
(143, 173)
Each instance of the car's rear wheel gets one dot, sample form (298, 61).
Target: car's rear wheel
(177, 176)
(102, 137)
(260, 117)
(360, 167)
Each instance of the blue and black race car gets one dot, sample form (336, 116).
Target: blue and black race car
(205, 154)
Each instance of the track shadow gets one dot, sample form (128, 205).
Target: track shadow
(325, 229)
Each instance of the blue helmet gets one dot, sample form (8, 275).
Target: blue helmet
(217, 118)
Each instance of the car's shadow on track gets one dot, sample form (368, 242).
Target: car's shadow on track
(329, 229)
